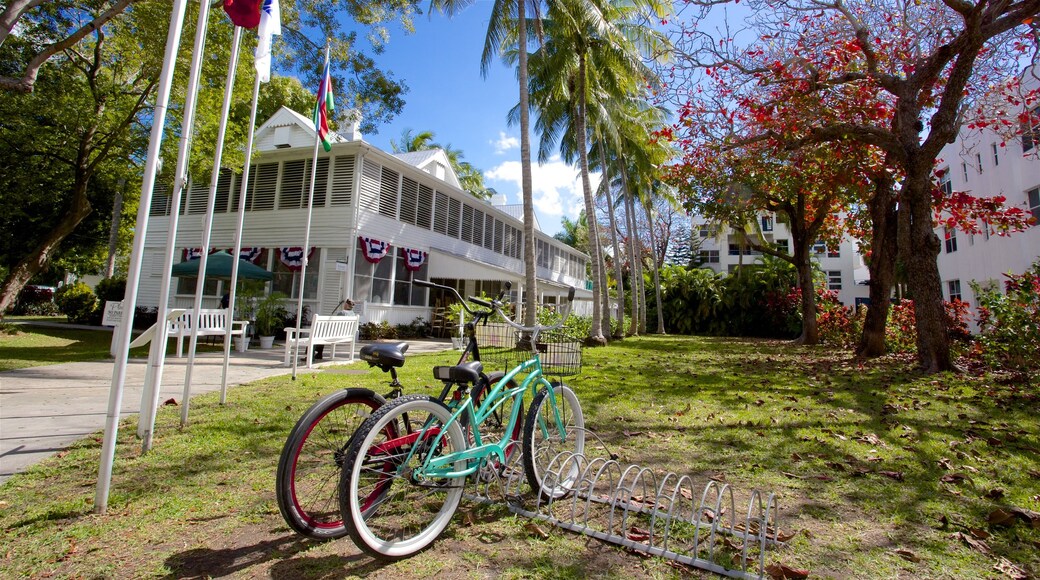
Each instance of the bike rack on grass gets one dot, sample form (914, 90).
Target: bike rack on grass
(634, 508)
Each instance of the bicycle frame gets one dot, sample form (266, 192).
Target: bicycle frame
(441, 466)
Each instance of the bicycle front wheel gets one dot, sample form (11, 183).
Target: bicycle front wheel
(388, 509)
(307, 483)
(547, 434)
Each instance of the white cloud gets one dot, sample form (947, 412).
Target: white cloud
(505, 143)
(556, 189)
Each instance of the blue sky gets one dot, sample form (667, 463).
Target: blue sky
(447, 95)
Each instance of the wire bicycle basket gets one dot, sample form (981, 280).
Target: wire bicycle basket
(502, 348)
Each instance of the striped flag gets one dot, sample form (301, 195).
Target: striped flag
(323, 108)
(270, 24)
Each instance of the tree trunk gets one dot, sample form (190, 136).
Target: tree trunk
(596, 336)
(530, 290)
(38, 259)
(113, 233)
(882, 265)
(925, 284)
(633, 323)
(657, 276)
(618, 279)
(810, 327)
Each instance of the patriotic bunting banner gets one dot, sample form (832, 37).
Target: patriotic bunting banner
(373, 249)
(194, 253)
(414, 259)
(293, 257)
(248, 254)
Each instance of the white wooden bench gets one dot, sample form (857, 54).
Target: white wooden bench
(212, 322)
(324, 330)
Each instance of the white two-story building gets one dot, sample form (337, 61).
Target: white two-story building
(380, 222)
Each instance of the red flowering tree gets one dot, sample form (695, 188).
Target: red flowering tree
(892, 75)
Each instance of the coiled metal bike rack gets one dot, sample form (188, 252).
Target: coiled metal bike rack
(633, 507)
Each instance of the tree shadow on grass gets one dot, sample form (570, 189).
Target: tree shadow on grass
(284, 551)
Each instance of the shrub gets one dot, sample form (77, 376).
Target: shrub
(77, 302)
(110, 290)
(377, 331)
(836, 322)
(417, 328)
(1010, 322)
(35, 300)
(901, 331)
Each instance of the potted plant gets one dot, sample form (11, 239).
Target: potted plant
(270, 316)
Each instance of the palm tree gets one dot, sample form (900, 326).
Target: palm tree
(413, 142)
(470, 178)
(592, 55)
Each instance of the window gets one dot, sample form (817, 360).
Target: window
(1031, 130)
(819, 248)
(736, 250)
(996, 158)
(944, 181)
(951, 240)
(783, 246)
(985, 229)
(373, 282)
(1033, 196)
(406, 293)
(288, 281)
(964, 170)
(705, 231)
(954, 288)
(710, 256)
(978, 161)
(834, 279)
(833, 253)
(767, 223)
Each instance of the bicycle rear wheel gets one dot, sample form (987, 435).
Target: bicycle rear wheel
(307, 482)
(388, 511)
(545, 439)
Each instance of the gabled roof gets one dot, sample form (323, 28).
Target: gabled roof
(517, 211)
(288, 128)
(430, 160)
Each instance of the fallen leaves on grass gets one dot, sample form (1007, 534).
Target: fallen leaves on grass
(536, 531)
(784, 572)
(1010, 569)
(907, 555)
(1007, 516)
(976, 544)
(637, 534)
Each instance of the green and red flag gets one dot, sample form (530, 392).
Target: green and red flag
(324, 108)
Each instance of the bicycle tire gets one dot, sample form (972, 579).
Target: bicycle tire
(542, 442)
(386, 512)
(307, 481)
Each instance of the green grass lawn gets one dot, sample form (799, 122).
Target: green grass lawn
(24, 346)
(880, 473)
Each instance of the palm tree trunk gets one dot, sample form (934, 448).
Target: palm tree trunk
(633, 324)
(620, 282)
(530, 291)
(596, 331)
(657, 275)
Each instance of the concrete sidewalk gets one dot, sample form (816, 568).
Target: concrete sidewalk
(44, 409)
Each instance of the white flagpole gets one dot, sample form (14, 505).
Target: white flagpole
(207, 228)
(157, 352)
(115, 397)
(310, 212)
(270, 24)
(238, 238)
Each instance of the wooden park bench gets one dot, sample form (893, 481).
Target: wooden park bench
(212, 322)
(324, 330)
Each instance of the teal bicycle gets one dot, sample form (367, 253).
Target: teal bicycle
(398, 492)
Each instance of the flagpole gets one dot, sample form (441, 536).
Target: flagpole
(310, 211)
(270, 24)
(238, 237)
(157, 351)
(207, 228)
(115, 397)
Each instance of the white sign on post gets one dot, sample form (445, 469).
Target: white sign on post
(112, 316)
(113, 313)
(341, 266)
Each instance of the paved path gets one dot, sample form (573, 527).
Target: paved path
(44, 409)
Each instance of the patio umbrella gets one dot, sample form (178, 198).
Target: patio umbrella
(218, 265)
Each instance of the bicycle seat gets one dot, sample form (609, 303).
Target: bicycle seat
(384, 355)
(467, 372)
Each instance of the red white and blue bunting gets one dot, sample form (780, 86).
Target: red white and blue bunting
(194, 253)
(292, 257)
(373, 249)
(248, 254)
(414, 259)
